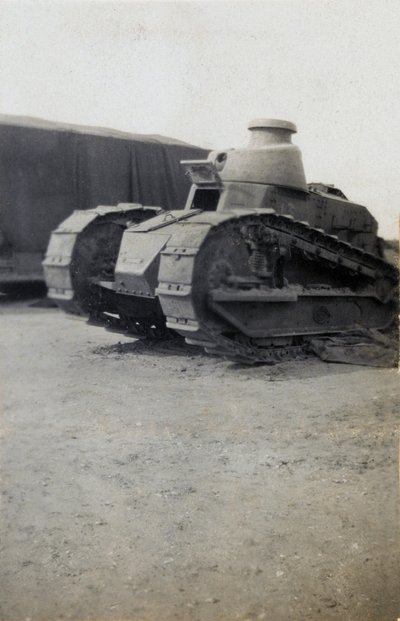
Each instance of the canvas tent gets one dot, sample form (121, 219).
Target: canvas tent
(49, 169)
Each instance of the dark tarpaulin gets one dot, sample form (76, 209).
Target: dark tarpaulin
(49, 169)
(364, 346)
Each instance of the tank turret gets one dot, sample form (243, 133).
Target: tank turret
(270, 157)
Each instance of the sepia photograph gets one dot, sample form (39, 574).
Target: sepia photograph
(199, 310)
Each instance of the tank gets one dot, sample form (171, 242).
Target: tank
(258, 263)
(48, 169)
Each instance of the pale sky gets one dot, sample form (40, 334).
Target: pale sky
(200, 71)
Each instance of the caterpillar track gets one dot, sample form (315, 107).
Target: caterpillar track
(83, 250)
(256, 265)
(263, 302)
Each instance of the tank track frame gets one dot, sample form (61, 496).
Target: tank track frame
(83, 251)
(314, 244)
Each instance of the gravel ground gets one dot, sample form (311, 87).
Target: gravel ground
(157, 483)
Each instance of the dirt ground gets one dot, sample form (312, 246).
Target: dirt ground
(150, 483)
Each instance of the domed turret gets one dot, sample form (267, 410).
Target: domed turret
(269, 159)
